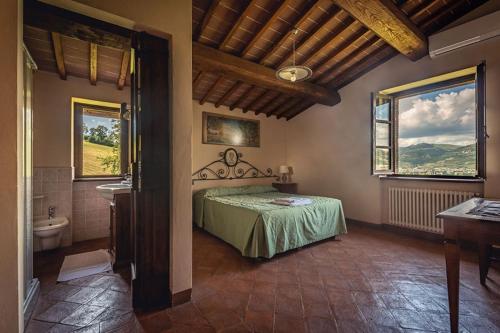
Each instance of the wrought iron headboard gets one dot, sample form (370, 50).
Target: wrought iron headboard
(231, 166)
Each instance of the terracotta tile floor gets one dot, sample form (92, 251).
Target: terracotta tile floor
(370, 281)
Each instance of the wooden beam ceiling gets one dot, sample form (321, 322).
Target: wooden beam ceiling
(93, 64)
(58, 54)
(212, 89)
(51, 18)
(208, 59)
(206, 18)
(228, 94)
(389, 23)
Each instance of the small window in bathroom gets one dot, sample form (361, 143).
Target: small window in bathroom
(98, 146)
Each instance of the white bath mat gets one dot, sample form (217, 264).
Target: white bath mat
(84, 264)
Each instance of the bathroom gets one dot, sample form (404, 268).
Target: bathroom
(70, 215)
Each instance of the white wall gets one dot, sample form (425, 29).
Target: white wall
(331, 156)
(52, 114)
(270, 154)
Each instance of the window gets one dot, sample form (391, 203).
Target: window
(100, 139)
(431, 128)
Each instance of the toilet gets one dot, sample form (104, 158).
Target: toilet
(49, 232)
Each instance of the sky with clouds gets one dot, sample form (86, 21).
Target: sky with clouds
(92, 121)
(446, 116)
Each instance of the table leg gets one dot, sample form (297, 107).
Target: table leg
(452, 255)
(484, 261)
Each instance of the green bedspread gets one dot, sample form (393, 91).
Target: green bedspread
(245, 218)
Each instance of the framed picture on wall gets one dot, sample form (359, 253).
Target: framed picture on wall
(230, 131)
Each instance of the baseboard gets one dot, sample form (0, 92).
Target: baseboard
(181, 297)
(437, 238)
(30, 302)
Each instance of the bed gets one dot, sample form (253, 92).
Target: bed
(246, 218)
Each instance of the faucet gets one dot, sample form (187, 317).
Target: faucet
(52, 212)
(128, 179)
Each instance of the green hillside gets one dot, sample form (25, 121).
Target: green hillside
(92, 152)
(438, 159)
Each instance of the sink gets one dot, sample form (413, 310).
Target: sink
(108, 191)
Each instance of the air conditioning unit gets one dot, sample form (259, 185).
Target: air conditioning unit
(469, 33)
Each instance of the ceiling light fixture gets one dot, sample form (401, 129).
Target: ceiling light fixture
(294, 73)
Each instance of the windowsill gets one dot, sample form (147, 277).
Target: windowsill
(98, 179)
(431, 179)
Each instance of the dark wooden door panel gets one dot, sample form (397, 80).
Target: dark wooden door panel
(151, 172)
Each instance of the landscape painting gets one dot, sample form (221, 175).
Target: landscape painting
(230, 131)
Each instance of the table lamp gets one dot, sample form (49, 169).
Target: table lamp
(284, 170)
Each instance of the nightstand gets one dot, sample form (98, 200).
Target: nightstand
(286, 187)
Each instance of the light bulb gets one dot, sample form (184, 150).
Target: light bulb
(293, 77)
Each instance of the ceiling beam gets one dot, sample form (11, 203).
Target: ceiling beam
(228, 94)
(389, 23)
(255, 100)
(360, 49)
(197, 80)
(51, 18)
(284, 108)
(276, 96)
(206, 18)
(123, 70)
(299, 109)
(93, 64)
(322, 24)
(58, 54)
(308, 9)
(213, 88)
(237, 24)
(240, 99)
(209, 59)
(266, 26)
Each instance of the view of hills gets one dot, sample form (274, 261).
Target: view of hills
(437, 159)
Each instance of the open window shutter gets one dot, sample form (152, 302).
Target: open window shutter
(482, 134)
(382, 135)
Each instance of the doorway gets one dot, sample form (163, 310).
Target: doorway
(147, 159)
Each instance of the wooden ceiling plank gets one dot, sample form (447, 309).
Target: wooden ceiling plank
(208, 59)
(93, 64)
(237, 24)
(206, 19)
(266, 26)
(301, 108)
(362, 48)
(340, 79)
(309, 8)
(58, 54)
(240, 99)
(255, 100)
(212, 89)
(326, 21)
(123, 69)
(385, 19)
(284, 108)
(228, 94)
(265, 108)
(197, 80)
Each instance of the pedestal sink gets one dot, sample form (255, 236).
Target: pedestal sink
(108, 191)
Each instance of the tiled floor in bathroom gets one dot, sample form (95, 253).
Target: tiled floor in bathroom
(370, 281)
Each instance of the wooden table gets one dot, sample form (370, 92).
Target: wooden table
(459, 225)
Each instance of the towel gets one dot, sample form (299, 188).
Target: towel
(292, 201)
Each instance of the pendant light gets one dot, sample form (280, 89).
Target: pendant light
(294, 73)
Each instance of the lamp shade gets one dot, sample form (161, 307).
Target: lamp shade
(284, 169)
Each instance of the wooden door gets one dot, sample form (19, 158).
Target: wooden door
(150, 131)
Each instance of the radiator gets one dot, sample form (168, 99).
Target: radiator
(417, 208)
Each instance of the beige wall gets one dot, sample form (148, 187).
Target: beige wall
(331, 156)
(52, 114)
(11, 97)
(271, 154)
(171, 17)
